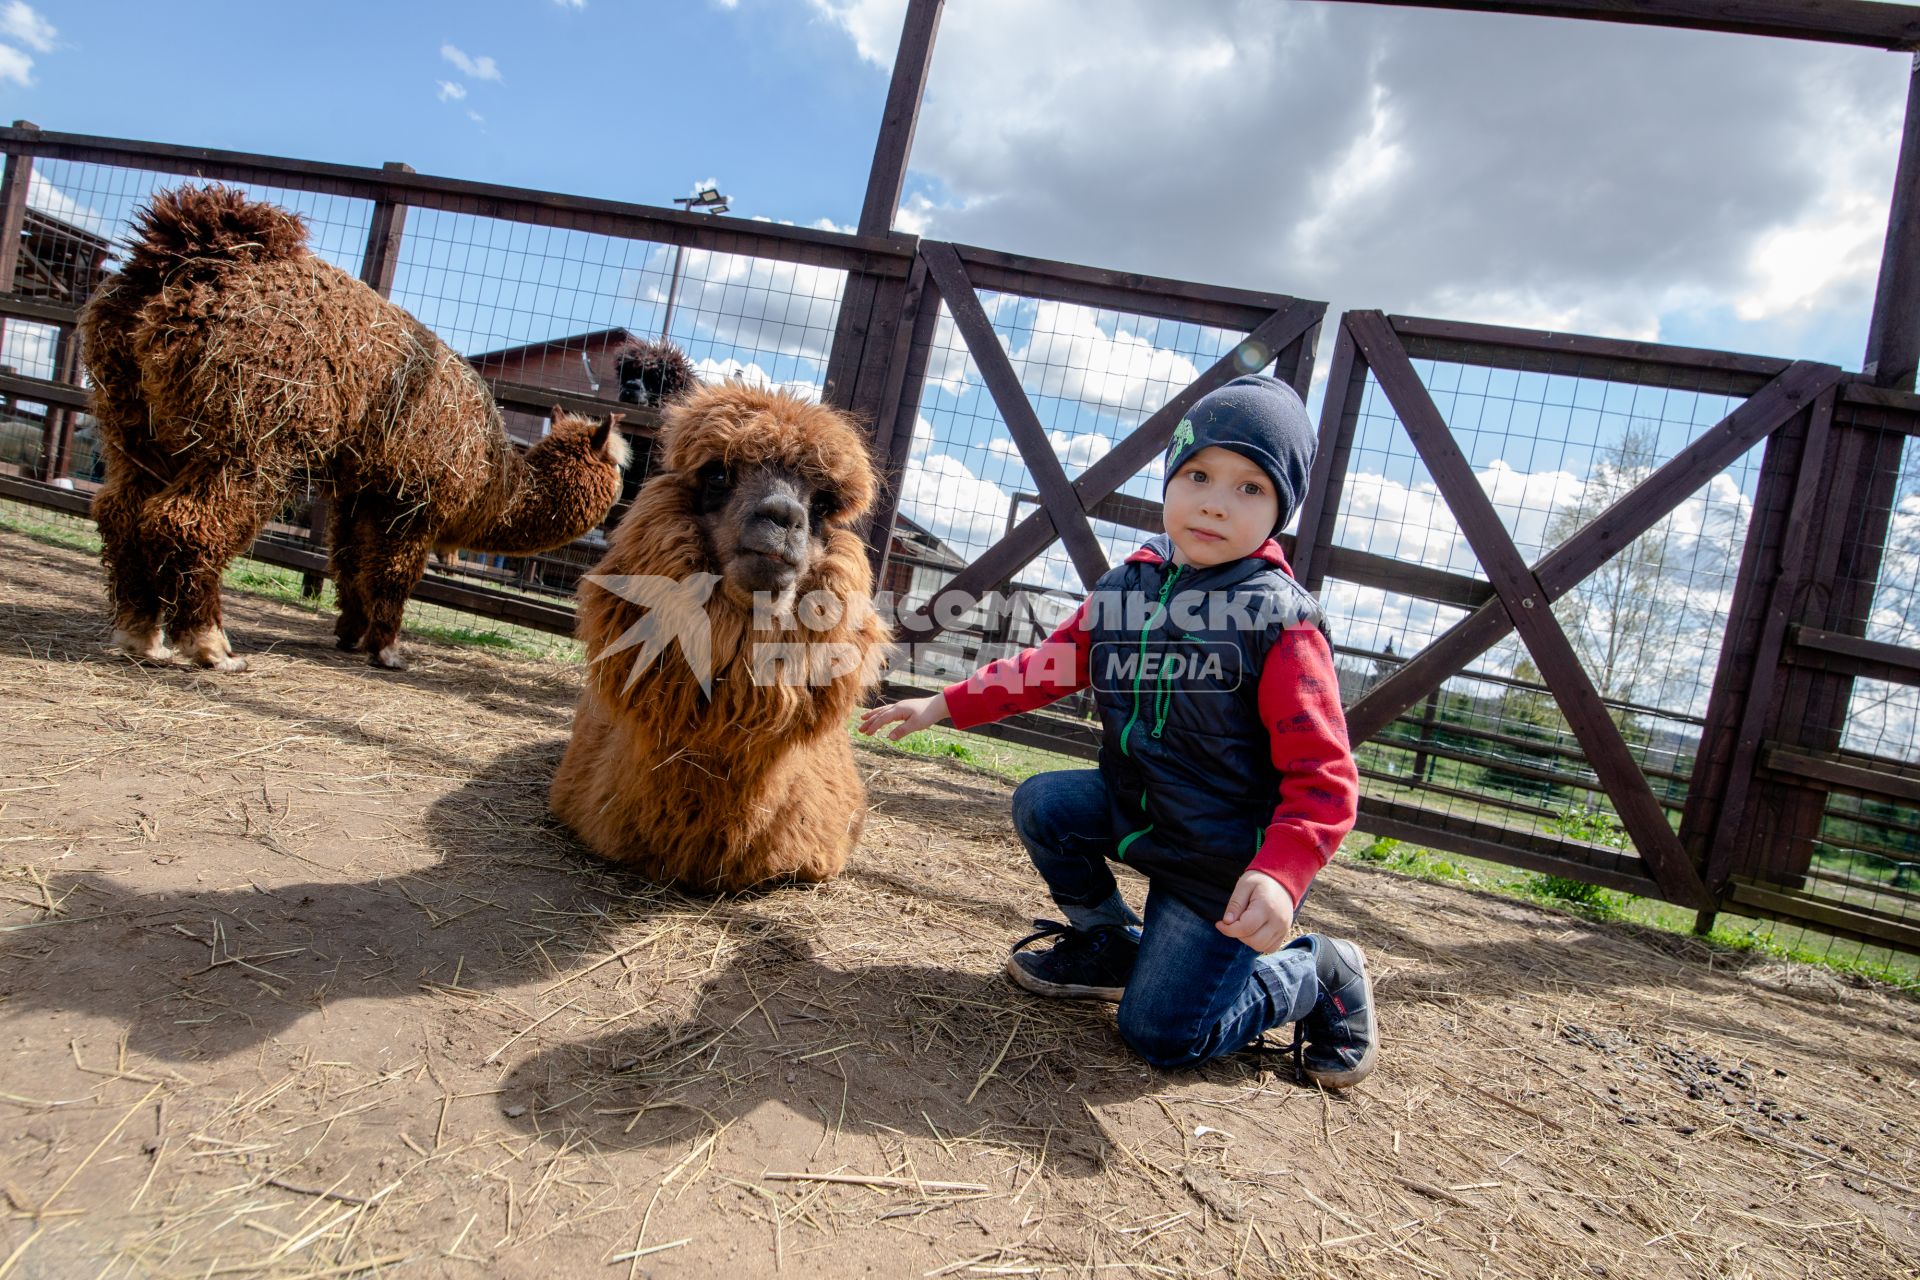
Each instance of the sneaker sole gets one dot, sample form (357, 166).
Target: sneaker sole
(1062, 990)
(1361, 1070)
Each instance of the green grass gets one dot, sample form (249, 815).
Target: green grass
(1738, 935)
(1006, 760)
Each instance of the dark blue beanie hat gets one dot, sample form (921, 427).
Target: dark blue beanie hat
(1260, 418)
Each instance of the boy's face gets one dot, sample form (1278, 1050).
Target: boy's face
(1220, 506)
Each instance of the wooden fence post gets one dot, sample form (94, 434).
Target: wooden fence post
(377, 266)
(15, 182)
(873, 309)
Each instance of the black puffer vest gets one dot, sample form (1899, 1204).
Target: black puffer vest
(1175, 667)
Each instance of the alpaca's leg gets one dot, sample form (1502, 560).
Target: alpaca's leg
(350, 534)
(133, 572)
(389, 569)
(203, 520)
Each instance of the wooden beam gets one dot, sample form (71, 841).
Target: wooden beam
(1219, 306)
(1734, 827)
(1510, 846)
(1650, 364)
(385, 230)
(1853, 656)
(1893, 334)
(804, 245)
(1587, 550)
(14, 306)
(1063, 509)
(1526, 603)
(1885, 779)
(1824, 913)
(44, 390)
(1339, 417)
(1855, 22)
(900, 410)
(905, 92)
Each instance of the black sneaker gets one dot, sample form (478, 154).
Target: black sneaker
(1090, 964)
(1339, 1038)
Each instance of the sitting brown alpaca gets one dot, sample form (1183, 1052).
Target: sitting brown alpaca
(227, 359)
(730, 634)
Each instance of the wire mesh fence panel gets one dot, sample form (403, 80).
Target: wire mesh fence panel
(1553, 440)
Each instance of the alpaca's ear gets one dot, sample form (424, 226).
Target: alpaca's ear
(606, 441)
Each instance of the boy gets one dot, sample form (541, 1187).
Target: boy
(1217, 692)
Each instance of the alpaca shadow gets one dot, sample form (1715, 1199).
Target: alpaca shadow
(876, 1049)
(197, 973)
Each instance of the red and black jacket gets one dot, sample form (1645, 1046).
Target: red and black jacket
(1223, 744)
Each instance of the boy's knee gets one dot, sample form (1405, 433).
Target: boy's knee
(1162, 1044)
(1027, 807)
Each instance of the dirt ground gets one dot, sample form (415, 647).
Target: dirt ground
(297, 978)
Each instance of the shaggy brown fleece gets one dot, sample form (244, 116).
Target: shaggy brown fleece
(757, 781)
(226, 359)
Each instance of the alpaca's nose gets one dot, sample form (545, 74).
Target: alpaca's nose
(781, 511)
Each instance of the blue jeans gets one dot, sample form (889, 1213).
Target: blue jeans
(1195, 993)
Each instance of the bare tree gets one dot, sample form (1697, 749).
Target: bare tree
(1634, 622)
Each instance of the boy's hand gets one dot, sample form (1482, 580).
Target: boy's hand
(913, 715)
(1260, 913)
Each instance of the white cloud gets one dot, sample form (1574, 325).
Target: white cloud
(19, 21)
(49, 199)
(1069, 355)
(755, 304)
(571, 4)
(1583, 175)
(942, 495)
(481, 68)
(1076, 450)
(711, 371)
(15, 66)
(451, 91)
(475, 116)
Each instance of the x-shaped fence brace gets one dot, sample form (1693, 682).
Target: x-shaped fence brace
(1523, 593)
(1064, 503)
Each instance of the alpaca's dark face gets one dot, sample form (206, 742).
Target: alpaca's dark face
(765, 526)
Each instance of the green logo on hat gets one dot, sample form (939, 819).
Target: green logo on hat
(1182, 436)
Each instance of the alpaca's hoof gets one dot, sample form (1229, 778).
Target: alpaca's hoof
(228, 663)
(388, 658)
(151, 647)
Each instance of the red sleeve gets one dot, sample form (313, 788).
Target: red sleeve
(1319, 784)
(1032, 678)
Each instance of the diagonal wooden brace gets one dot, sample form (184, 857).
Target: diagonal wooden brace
(1058, 500)
(1526, 603)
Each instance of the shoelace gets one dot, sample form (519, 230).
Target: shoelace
(1046, 929)
(1266, 1048)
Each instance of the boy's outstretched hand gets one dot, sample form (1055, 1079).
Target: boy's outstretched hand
(1260, 913)
(913, 715)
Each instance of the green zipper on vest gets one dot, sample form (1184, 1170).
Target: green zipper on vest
(1166, 589)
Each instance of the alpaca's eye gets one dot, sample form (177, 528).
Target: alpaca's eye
(826, 504)
(712, 483)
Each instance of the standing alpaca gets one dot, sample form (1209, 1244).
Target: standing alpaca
(723, 761)
(226, 358)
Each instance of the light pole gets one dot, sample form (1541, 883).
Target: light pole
(710, 199)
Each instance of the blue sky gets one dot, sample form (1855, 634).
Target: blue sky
(632, 101)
